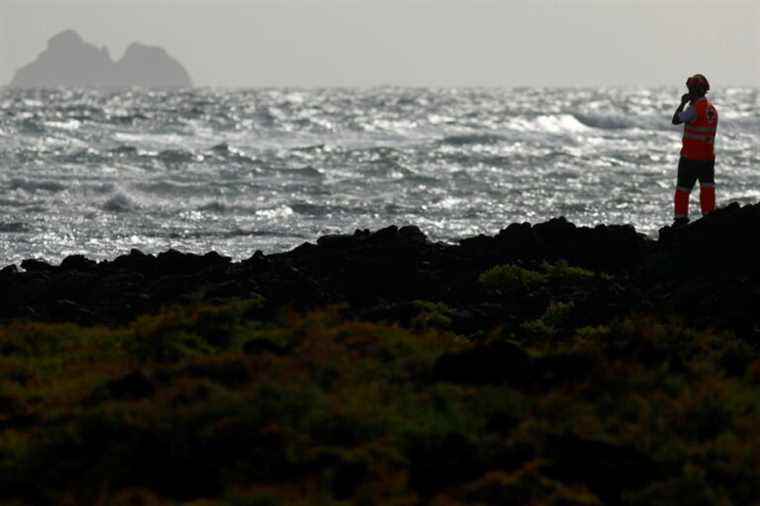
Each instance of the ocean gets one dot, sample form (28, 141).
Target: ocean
(99, 172)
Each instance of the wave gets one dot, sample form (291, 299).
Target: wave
(30, 126)
(176, 156)
(27, 204)
(13, 227)
(320, 210)
(81, 118)
(120, 202)
(421, 179)
(743, 125)
(169, 188)
(68, 125)
(304, 208)
(313, 148)
(309, 209)
(228, 152)
(612, 121)
(83, 156)
(555, 124)
(275, 212)
(470, 139)
(222, 148)
(606, 121)
(127, 119)
(103, 187)
(230, 234)
(220, 207)
(308, 171)
(384, 168)
(28, 185)
(461, 175)
(124, 150)
(216, 207)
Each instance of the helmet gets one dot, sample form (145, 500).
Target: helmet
(698, 82)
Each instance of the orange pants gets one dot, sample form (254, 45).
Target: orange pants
(689, 171)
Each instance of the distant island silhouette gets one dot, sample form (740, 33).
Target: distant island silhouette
(69, 60)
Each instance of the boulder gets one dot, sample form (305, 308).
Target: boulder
(34, 265)
(78, 263)
(337, 241)
(8, 271)
(173, 262)
(412, 234)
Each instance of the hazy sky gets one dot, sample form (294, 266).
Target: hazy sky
(411, 42)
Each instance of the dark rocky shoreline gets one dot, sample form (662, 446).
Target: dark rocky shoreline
(707, 272)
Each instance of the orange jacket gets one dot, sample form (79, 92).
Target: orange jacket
(699, 135)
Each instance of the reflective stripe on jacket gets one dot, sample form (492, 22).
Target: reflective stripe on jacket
(699, 135)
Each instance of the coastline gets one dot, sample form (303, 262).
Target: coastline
(365, 268)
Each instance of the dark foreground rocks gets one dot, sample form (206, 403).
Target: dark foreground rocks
(549, 364)
(707, 271)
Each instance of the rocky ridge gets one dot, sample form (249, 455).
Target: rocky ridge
(706, 272)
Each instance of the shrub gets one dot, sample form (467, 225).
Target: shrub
(432, 315)
(515, 280)
(166, 337)
(561, 272)
(551, 322)
(511, 280)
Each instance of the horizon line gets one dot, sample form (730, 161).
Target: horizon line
(380, 86)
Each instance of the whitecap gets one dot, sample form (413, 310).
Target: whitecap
(64, 125)
(232, 153)
(605, 121)
(549, 124)
(277, 212)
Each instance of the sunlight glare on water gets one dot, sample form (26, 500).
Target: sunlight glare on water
(101, 172)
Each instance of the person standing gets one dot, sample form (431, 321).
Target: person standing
(697, 160)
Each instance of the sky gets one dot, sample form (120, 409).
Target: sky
(313, 43)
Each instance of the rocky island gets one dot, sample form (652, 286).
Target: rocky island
(70, 61)
(548, 364)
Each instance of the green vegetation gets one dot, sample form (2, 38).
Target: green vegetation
(516, 280)
(221, 405)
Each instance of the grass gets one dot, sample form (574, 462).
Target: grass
(212, 405)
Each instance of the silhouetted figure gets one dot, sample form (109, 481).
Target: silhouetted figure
(70, 61)
(698, 152)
